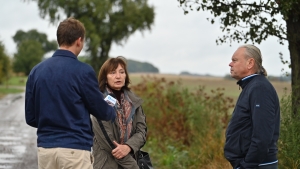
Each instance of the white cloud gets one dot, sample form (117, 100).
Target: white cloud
(179, 42)
(176, 43)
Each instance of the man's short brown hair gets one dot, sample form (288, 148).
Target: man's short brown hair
(69, 31)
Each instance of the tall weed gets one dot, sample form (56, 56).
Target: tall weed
(186, 129)
(289, 140)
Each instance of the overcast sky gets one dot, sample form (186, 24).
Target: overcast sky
(176, 42)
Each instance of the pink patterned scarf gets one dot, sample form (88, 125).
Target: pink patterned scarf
(124, 116)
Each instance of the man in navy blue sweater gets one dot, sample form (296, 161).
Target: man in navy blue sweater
(252, 134)
(61, 94)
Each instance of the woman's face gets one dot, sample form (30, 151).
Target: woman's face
(116, 78)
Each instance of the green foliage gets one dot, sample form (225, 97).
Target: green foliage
(29, 54)
(4, 64)
(185, 129)
(106, 22)
(33, 34)
(135, 66)
(242, 20)
(32, 46)
(289, 147)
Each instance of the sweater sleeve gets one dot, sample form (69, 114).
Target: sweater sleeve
(29, 105)
(93, 98)
(262, 104)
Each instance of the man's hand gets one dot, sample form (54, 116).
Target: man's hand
(120, 151)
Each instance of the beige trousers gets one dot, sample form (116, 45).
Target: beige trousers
(64, 158)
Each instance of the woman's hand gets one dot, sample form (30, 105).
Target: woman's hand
(120, 151)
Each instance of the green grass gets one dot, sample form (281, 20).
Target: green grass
(17, 81)
(5, 90)
(15, 84)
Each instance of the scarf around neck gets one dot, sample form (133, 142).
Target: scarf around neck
(124, 112)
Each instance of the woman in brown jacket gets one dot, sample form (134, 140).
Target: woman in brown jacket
(128, 131)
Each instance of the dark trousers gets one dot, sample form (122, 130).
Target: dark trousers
(271, 166)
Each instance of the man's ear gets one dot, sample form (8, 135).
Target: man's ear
(78, 41)
(250, 63)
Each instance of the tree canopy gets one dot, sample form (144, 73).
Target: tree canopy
(29, 54)
(106, 22)
(31, 47)
(33, 34)
(241, 20)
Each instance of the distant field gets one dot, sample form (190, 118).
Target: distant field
(210, 83)
(190, 82)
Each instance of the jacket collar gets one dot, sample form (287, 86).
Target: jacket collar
(136, 101)
(64, 53)
(243, 82)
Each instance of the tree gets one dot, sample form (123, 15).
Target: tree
(33, 34)
(255, 21)
(136, 66)
(4, 64)
(106, 22)
(29, 54)
(31, 47)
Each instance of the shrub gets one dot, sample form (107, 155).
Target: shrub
(185, 129)
(289, 140)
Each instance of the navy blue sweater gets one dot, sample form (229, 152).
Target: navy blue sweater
(253, 131)
(61, 93)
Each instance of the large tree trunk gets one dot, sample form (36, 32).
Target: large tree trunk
(100, 56)
(293, 35)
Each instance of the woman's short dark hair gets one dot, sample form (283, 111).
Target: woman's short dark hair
(69, 31)
(110, 65)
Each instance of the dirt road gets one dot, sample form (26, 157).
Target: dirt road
(17, 139)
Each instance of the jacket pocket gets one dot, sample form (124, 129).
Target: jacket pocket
(244, 143)
(100, 158)
(232, 149)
